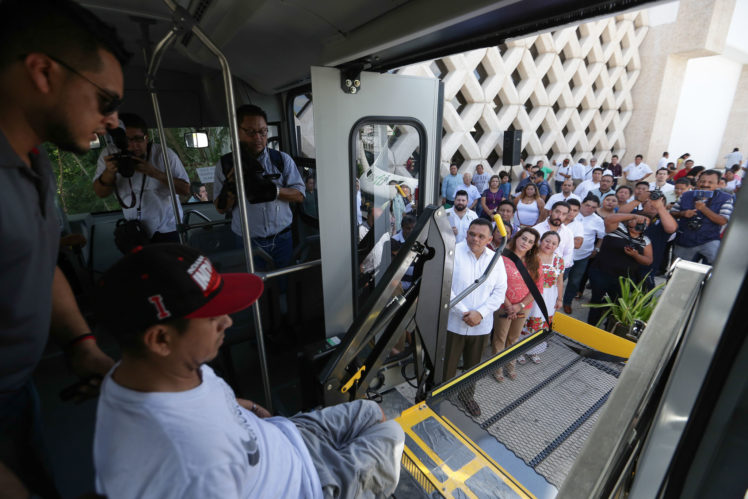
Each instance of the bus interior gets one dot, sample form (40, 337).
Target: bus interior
(326, 74)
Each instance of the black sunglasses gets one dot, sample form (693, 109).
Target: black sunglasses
(109, 102)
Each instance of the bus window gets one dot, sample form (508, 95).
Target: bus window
(304, 124)
(386, 169)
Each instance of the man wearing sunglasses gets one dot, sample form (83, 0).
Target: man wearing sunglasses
(60, 82)
(269, 221)
(144, 195)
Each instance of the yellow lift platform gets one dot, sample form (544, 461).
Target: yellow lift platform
(530, 429)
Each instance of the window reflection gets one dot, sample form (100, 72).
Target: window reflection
(386, 188)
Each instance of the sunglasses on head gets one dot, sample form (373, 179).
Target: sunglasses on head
(109, 102)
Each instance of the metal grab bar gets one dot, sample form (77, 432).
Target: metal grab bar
(183, 22)
(186, 218)
(288, 270)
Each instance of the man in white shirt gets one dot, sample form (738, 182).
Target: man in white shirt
(660, 184)
(594, 230)
(734, 158)
(578, 170)
(563, 172)
(662, 163)
(575, 225)
(470, 321)
(555, 221)
(469, 189)
(633, 172)
(168, 427)
(591, 168)
(460, 216)
(144, 195)
(565, 195)
(588, 185)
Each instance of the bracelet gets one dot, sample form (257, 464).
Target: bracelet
(79, 339)
(254, 407)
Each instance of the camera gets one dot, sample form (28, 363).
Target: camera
(640, 227)
(655, 195)
(125, 162)
(703, 195)
(695, 223)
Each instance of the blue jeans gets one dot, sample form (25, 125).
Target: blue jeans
(576, 272)
(707, 251)
(279, 247)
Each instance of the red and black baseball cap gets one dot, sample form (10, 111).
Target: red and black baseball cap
(161, 282)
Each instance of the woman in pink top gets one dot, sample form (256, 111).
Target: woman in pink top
(510, 318)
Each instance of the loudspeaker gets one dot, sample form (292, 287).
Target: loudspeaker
(512, 147)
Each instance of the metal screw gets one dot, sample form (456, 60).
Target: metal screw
(354, 90)
(329, 387)
(451, 252)
(446, 305)
(348, 83)
(357, 83)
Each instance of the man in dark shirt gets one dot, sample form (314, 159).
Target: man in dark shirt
(60, 82)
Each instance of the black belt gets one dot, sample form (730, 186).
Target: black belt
(263, 238)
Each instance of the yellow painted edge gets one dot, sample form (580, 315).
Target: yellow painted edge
(486, 363)
(420, 412)
(593, 337)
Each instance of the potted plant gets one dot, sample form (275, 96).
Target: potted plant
(628, 314)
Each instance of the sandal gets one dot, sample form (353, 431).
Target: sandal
(498, 376)
(511, 375)
(535, 358)
(522, 360)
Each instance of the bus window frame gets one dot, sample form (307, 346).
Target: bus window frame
(352, 177)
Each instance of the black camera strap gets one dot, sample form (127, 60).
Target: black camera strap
(534, 291)
(132, 191)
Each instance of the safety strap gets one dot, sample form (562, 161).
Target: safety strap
(534, 291)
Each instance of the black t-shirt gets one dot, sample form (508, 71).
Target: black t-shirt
(612, 258)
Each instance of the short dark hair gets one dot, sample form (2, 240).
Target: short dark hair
(560, 203)
(597, 169)
(540, 173)
(642, 182)
(453, 164)
(507, 202)
(58, 28)
(735, 168)
(684, 180)
(195, 187)
(250, 110)
(712, 172)
(607, 175)
(461, 192)
(550, 233)
(408, 220)
(639, 156)
(483, 222)
(593, 198)
(503, 174)
(625, 187)
(662, 170)
(573, 202)
(614, 156)
(131, 342)
(132, 120)
(666, 153)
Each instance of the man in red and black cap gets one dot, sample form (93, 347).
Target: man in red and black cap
(167, 426)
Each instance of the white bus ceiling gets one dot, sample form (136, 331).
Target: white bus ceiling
(271, 45)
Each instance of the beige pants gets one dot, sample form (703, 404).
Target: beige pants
(505, 334)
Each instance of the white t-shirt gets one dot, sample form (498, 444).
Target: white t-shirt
(576, 228)
(566, 247)
(566, 170)
(195, 444)
(559, 196)
(662, 163)
(636, 172)
(594, 228)
(157, 213)
(486, 298)
(577, 171)
(462, 224)
(585, 187)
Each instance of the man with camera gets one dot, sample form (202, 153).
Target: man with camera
(133, 169)
(271, 182)
(701, 214)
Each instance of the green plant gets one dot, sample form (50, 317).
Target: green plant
(634, 303)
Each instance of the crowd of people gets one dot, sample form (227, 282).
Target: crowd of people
(601, 223)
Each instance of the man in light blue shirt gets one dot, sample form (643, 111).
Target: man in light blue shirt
(449, 186)
(269, 221)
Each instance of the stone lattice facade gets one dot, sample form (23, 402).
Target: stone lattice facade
(569, 91)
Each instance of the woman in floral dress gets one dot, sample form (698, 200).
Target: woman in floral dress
(552, 267)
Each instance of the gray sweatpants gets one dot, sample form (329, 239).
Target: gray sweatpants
(355, 454)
